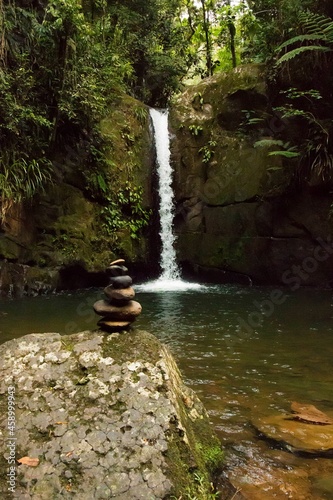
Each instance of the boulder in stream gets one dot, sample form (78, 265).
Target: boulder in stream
(99, 417)
(306, 431)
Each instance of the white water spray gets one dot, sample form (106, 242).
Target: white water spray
(168, 261)
(170, 277)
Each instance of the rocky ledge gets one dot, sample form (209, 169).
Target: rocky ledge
(306, 431)
(100, 416)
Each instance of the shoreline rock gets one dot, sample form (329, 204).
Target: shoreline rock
(105, 418)
(297, 436)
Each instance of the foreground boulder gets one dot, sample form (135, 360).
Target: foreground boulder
(100, 416)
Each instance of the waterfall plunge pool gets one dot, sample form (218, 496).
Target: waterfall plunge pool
(237, 376)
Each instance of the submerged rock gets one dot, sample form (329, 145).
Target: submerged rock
(297, 436)
(106, 418)
(310, 414)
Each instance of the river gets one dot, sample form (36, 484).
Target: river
(239, 372)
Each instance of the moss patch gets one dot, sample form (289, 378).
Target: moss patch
(106, 411)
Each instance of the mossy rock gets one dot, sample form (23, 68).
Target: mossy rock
(129, 144)
(214, 153)
(9, 249)
(65, 226)
(106, 416)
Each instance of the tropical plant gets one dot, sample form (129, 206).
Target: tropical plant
(288, 151)
(124, 210)
(207, 151)
(318, 37)
(195, 129)
(21, 180)
(313, 148)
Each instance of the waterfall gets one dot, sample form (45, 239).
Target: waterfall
(170, 278)
(168, 260)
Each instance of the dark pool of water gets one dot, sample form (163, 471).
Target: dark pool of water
(239, 371)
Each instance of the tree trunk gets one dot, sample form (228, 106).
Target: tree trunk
(206, 28)
(232, 31)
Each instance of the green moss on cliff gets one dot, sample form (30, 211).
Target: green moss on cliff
(100, 212)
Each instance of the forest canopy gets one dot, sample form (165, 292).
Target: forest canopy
(64, 62)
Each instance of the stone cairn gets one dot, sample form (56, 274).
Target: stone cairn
(119, 309)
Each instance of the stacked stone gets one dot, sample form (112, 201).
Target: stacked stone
(119, 309)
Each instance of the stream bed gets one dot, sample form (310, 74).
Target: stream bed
(243, 357)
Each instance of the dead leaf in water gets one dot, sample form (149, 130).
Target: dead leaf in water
(32, 462)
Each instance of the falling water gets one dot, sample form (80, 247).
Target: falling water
(168, 261)
(170, 278)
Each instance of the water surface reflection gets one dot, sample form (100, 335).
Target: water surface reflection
(238, 374)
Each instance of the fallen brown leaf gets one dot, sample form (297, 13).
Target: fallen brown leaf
(61, 423)
(32, 462)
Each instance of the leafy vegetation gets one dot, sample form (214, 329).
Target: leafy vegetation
(124, 211)
(195, 129)
(21, 180)
(314, 147)
(65, 63)
(318, 28)
(207, 151)
(295, 40)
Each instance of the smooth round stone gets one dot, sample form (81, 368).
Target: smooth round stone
(122, 294)
(121, 313)
(121, 281)
(118, 270)
(118, 261)
(113, 324)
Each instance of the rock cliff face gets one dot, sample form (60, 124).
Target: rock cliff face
(58, 241)
(236, 219)
(101, 417)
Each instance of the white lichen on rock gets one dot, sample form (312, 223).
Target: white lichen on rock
(100, 415)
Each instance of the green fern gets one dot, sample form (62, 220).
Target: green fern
(267, 143)
(286, 154)
(318, 29)
(293, 53)
(300, 38)
(315, 23)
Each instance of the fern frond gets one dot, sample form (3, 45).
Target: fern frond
(301, 38)
(328, 28)
(329, 35)
(286, 154)
(267, 143)
(293, 53)
(315, 23)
